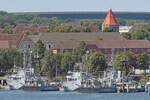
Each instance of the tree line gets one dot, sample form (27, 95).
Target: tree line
(48, 62)
(9, 58)
(131, 61)
(65, 61)
(141, 34)
(9, 20)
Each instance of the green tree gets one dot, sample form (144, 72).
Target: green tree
(127, 65)
(108, 29)
(87, 22)
(142, 61)
(2, 13)
(97, 61)
(48, 64)
(67, 62)
(141, 35)
(79, 51)
(127, 35)
(85, 29)
(40, 48)
(57, 62)
(8, 27)
(27, 32)
(8, 58)
(39, 52)
(54, 20)
(51, 28)
(99, 38)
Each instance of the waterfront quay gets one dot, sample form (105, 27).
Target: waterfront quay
(94, 57)
(9, 95)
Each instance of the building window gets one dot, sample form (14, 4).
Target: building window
(49, 46)
(62, 50)
(29, 46)
(130, 50)
(142, 50)
(136, 50)
(148, 50)
(66, 50)
(106, 51)
(106, 56)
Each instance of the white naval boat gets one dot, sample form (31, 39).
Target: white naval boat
(16, 80)
(73, 81)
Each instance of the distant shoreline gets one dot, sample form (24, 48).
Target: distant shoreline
(65, 12)
(90, 15)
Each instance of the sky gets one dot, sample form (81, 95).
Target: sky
(74, 5)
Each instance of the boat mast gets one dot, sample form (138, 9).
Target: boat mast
(87, 52)
(56, 69)
(24, 59)
(113, 64)
(113, 68)
(31, 62)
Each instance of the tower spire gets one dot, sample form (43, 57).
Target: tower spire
(110, 21)
(110, 18)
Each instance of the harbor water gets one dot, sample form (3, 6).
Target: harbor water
(22, 95)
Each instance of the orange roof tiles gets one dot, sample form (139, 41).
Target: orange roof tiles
(103, 44)
(14, 39)
(4, 44)
(110, 18)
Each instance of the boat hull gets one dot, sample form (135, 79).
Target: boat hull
(14, 85)
(40, 88)
(96, 90)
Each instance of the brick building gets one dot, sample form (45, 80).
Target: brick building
(106, 46)
(19, 42)
(110, 21)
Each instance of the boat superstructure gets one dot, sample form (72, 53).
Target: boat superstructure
(73, 80)
(17, 79)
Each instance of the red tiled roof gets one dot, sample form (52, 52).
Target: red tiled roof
(94, 28)
(22, 29)
(4, 44)
(70, 44)
(23, 37)
(14, 39)
(18, 29)
(110, 18)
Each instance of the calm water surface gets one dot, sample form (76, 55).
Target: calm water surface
(21, 95)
